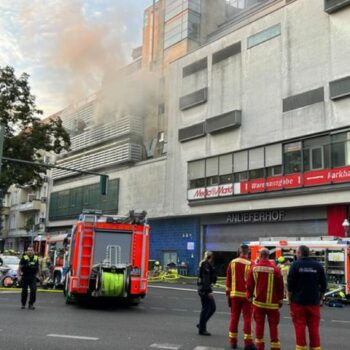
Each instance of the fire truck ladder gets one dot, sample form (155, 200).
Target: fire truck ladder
(113, 255)
(86, 253)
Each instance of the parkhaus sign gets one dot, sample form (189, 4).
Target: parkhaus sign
(256, 217)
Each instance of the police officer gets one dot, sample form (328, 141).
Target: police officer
(307, 284)
(27, 272)
(236, 292)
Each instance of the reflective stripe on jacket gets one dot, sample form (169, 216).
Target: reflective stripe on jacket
(265, 285)
(236, 277)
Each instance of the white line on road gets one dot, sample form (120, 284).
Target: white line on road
(71, 337)
(180, 310)
(223, 313)
(165, 346)
(207, 348)
(340, 321)
(183, 289)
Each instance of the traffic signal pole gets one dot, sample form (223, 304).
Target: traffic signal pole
(103, 177)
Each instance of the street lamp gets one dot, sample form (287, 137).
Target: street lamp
(346, 225)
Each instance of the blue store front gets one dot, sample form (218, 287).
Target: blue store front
(176, 240)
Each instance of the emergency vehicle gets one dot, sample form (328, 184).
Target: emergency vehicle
(333, 254)
(55, 249)
(108, 257)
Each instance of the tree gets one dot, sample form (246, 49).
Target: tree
(26, 135)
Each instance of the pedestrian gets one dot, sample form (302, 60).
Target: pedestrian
(28, 271)
(307, 284)
(265, 290)
(236, 292)
(206, 278)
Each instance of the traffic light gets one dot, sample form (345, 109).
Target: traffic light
(104, 184)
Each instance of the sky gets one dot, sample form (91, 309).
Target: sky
(68, 46)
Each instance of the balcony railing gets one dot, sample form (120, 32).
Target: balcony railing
(30, 206)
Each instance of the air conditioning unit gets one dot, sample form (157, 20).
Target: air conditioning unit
(42, 220)
(43, 199)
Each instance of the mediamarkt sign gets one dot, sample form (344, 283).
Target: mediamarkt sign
(210, 192)
(275, 183)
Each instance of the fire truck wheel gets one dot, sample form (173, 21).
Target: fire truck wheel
(57, 281)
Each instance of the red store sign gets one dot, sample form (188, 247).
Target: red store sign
(275, 183)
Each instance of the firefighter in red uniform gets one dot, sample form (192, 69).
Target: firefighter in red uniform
(265, 289)
(236, 291)
(307, 284)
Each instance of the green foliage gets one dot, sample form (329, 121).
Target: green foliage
(26, 135)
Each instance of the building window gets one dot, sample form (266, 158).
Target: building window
(225, 169)
(240, 177)
(182, 21)
(341, 149)
(256, 174)
(212, 171)
(292, 157)
(196, 174)
(274, 171)
(316, 153)
(263, 36)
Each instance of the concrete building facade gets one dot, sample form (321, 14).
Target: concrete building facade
(259, 126)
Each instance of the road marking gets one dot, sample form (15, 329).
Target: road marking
(180, 310)
(183, 289)
(9, 292)
(71, 337)
(223, 313)
(174, 298)
(157, 308)
(340, 321)
(207, 348)
(165, 346)
(287, 317)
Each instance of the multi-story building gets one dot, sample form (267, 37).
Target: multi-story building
(259, 127)
(129, 143)
(24, 216)
(256, 120)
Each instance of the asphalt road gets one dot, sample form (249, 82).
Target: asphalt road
(165, 319)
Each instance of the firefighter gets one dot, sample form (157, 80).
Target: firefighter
(27, 272)
(236, 292)
(265, 290)
(284, 265)
(306, 287)
(206, 278)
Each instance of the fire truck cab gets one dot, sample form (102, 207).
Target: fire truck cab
(331, 252)
(108, 257)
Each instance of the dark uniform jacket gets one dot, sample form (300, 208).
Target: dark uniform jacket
(206, 278)
(306, 281)
(29, 266)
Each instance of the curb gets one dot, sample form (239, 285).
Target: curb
(38, 290)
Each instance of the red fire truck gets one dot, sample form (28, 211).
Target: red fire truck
(333, 253)
(108, 257)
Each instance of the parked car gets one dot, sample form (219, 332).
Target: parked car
(10, 261)
(8, 270)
